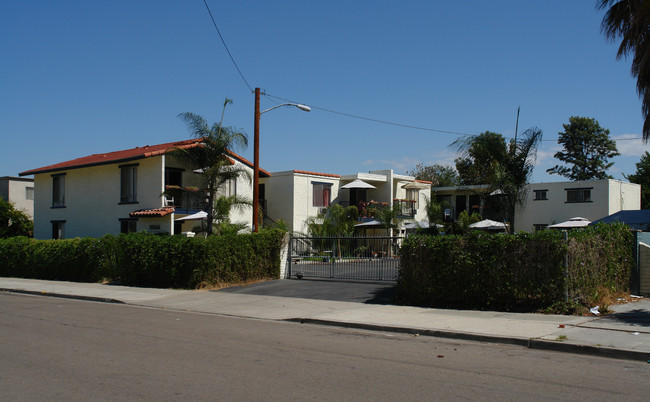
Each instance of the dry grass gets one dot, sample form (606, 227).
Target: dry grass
(223, 285)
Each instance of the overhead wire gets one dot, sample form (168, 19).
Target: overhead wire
(226, 46)
(271, 97)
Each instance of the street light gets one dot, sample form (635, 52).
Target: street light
(256, 152)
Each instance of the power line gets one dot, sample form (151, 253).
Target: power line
(226, 46)
(373, 120)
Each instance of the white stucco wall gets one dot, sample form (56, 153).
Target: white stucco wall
(607, 197)
(14, 190)
(92, 199)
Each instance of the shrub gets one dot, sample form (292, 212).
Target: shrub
(145, 259)
(522, 271)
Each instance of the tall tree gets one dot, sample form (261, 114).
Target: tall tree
(506, 168)
(642, 177)
(587, 148)
(630, 20)
(212, 158)
(481, 157)
(438, 175)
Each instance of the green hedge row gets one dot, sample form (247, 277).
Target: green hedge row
(508, 272)
(146, 260)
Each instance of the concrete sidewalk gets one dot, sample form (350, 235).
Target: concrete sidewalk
(624, 334)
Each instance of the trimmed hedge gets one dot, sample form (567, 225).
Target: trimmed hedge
(146, 260)
(514, 272)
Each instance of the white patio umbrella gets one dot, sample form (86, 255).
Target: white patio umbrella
(415, 185)
(196, 216)
(488, 224)
(371, 223)
(358, 183)
(572, 223)
(421, 224)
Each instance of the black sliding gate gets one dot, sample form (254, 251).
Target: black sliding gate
(357, 258)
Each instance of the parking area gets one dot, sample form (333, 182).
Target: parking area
(358, 292)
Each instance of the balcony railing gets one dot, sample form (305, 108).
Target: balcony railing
(405, 208)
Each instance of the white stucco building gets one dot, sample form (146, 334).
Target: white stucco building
(140, 189)
(547, 203)
(296, 195)
(20, 192)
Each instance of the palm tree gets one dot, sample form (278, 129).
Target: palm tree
(217, 169)
(487, 159)
(630, 20)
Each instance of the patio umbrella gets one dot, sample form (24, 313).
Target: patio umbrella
(572, 223)
(196, 216)
(488, 224)
(371, 223)
(415, 185)
(358, 184)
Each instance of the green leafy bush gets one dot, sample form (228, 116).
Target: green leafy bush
(515, 272)
(146, 260)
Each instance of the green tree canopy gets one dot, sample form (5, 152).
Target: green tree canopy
(642, 177)
(587, 148)
(481, 158)
(212, 158)
(506, 168)
(630, 20)
(438, 175)
(13, 222)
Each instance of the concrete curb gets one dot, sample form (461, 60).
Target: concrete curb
(63, 296)
(531, 343)
(613, 353)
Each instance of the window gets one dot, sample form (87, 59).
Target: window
(29, 193)
(413, 195)
(322, 194)
(540, 194)
(58, 190)
(539, 226)
(129, 184)
(128, 225)
(58, 230)
(578, 194)
(174, 177)
(231, 187)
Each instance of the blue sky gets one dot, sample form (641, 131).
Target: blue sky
(85, 77)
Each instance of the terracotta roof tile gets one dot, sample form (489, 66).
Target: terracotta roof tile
(128, 155)
(152, 213)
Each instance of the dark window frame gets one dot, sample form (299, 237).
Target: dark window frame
(128, 185)
(538, 193)
(58, 190)
(582, 191)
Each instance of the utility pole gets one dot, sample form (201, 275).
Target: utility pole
(256, 162)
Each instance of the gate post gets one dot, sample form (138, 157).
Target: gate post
(285, 257)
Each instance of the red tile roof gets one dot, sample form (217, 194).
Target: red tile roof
(128, 155)
(152, 213)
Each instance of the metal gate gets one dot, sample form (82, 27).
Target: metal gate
(358, 258)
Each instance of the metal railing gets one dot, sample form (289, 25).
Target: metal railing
(356, 258)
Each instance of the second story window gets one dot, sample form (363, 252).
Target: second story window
(322, 193)
(173, 177)
(58, 190)
(578, 195)
(129, 184)
(540, 194)
(412, 195)
(29, 193)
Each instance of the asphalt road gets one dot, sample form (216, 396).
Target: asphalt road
(359, 292)
(59, 349)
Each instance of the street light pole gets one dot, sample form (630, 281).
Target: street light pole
(256, 153)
